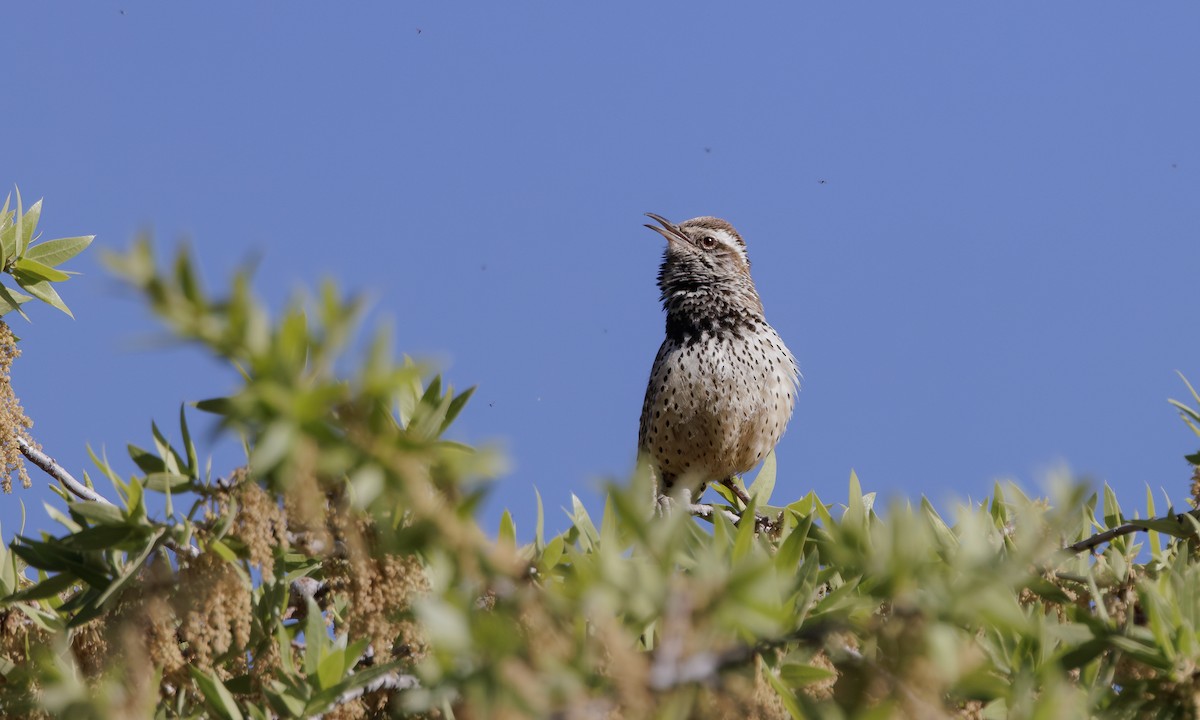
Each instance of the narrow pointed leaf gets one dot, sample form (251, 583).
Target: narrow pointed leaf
(38, 271)
(58, 251)
(43, 291)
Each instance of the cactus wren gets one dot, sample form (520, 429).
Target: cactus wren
(723, 384)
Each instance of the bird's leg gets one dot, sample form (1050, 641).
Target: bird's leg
(731, 483)
(663, 505)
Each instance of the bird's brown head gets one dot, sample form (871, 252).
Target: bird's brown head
(705, 273)
(708, 243)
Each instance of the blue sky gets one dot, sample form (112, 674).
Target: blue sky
(975, 225)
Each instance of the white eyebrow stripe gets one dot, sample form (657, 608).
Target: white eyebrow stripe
(730, 242)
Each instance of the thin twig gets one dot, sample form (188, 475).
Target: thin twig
(83, 492)
(59, 473)
(762, 523)
(391, 681)
(670, 668)
(700, 669)
(731, 483)
(1088, 544)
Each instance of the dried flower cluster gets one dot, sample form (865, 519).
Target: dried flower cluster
(260, 524)
(378, 586)
(13, 422)
(214, 609)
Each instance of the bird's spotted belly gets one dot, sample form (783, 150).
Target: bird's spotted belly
(715, 407)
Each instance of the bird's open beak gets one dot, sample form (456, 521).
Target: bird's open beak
(669, 230)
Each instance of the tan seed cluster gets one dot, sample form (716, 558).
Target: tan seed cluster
(379, 586)
(13, 422)
(1195, 486)
(214, 609)
(260, 524)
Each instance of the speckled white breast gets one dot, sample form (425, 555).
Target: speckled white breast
(717, 405)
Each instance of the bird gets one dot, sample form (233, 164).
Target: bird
(723, 385)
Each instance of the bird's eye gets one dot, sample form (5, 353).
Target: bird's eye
(708, 242)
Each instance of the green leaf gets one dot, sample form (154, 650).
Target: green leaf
(28, 224)
(216, 695)
(43, 291)
(332, 667)
(100, 537)
(1083, 654)
(185, 278)
(764, 482)
(1112, 510)
(103, 464)
(11, 300)
(18, 230)
(8, 236)
(538, 542)
(285, 700)
(56, 557)
(47, 620)
(222, 550)
(189, 447)
(792, 549)
(146, 461)
(1167, 525)
(97, 513)
(797, 675)
(359, 678)
(174, 463)
(134, 501)
(785, 695)
(315, 638)
(1152, 535)
(587, 531)
(726, 494)
(456, 406)
(165, 482)
(553, 552)
(216, 406)
(56, 252)
(37, 271)
(508, 531)
(856, 509)
(745, 532)
(49, 587)
(132, 568)
(273, 446)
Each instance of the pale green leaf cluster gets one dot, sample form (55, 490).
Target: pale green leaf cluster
(1010, 606)
(33, 264)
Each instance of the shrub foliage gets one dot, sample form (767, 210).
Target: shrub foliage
(341, 571)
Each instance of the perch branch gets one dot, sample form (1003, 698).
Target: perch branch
(78, 489)
(391, 681)
(59, 473)
(1089, 544)
(762, 523)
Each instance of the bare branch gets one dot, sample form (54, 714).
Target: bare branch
(1089, 544)
(701, 669)
(300, 591)
(78, 489)
(762, 523)
(391, 681)
(59, 473)
(671, 668)
(731, 483)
